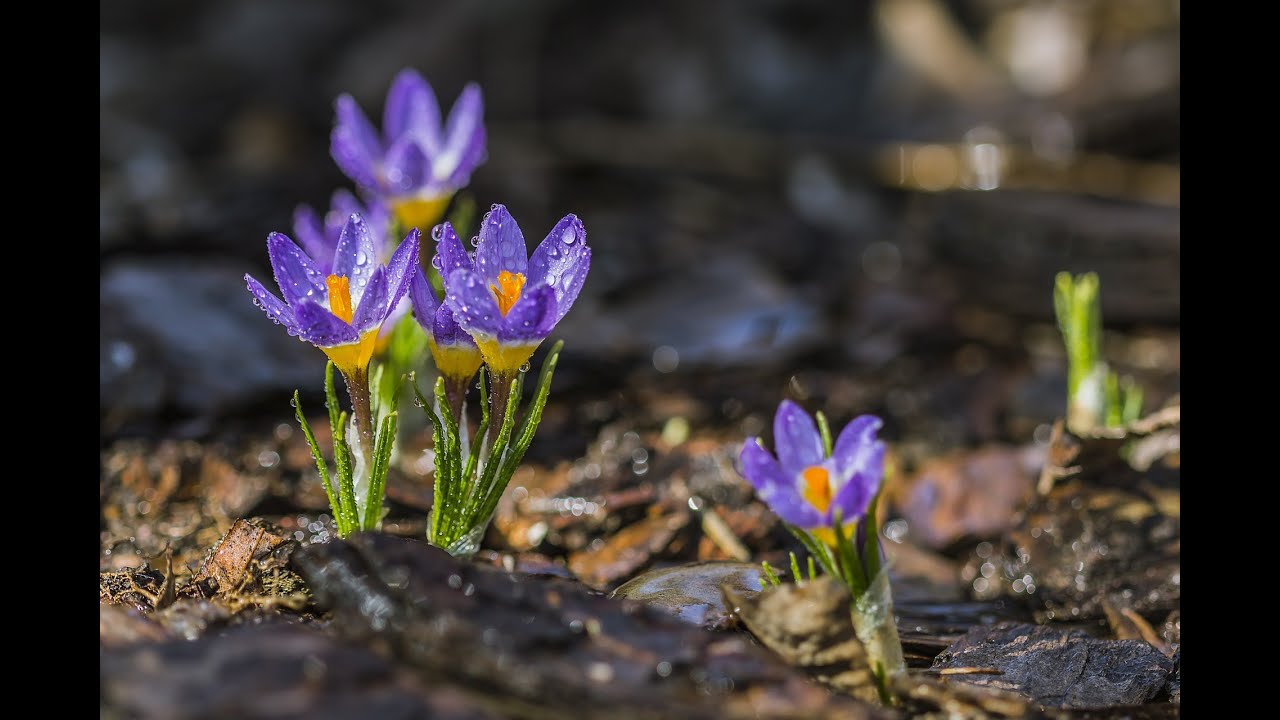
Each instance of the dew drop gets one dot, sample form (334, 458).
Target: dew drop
(525, 367)
(569, 236)
(475, 241)
(437, 233)
(436, 263)
(361, 258)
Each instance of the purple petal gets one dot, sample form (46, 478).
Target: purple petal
(424, 299)
(472, 302)
(562, 261)
(446, 330)
(857, 450)
(399, 267)
(853, 498)
(320, 327)
(374, 305)
(354, 256)
(451, 253)
(411, 108)
(501, 246)
(375, 214)
(796, 439)
(464, 139)
(273, 306)
(354, 144)
(310, 231)
(296, 275)
(408, 167)
(775, 488)
(531, 318)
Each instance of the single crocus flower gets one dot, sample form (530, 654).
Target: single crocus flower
(319, 238)
(455, 353)
(319, 235)
(415, 165)
(342, 310)
(804, 486)
(510, 301)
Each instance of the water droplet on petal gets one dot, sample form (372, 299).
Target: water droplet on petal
(525, 367)
(569, 236)
(361, 258)
(475, 241)
(436, 263)
(437, 233)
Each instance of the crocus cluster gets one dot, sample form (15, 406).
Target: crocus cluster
(498, 307)
(345, 287)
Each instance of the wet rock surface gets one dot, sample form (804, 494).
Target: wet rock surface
(693, 592)
(543, 645)
(182, 337)
(282, 671)
(1062, 668)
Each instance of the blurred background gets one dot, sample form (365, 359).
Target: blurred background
(860, 205)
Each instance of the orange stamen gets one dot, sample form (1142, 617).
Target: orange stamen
(507, 291)
(340, 297)
(817, 488)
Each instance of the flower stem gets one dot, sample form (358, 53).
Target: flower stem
(361, 406)
(499, 394)
(455, 391)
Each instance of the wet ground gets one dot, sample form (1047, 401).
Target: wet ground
(782, 201)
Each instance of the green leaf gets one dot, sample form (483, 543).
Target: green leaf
(341, 450)
(441, 481)
(1132, 403)
(346, 473)
(824, 429)
(850, 569)
(871, 546)
(816, 549)
(490, 477)
(378, 475)
(477, 442)
(321, 467)
(813, 572)
(770, 577)
(534, 416)
(461, 486)
(796, 577)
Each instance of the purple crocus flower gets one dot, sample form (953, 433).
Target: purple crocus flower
(510, 301)
(319, 238)
(804, 486)
(415, 165)
(455, 353)
(341, 311)
(318, 235)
